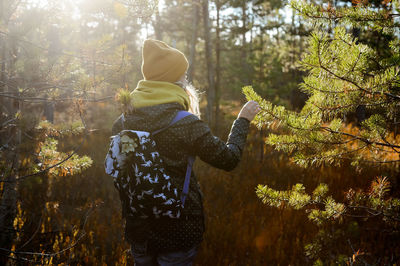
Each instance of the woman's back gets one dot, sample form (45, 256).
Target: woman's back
(167, 234)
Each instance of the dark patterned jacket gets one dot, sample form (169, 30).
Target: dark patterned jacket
(189, 136)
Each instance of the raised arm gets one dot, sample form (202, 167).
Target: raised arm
(216, 152)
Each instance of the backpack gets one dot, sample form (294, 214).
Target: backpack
(145, 189)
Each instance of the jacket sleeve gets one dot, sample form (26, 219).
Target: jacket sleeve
(213, 150)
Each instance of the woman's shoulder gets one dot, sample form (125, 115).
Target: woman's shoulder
(190, 127)
(152, 118)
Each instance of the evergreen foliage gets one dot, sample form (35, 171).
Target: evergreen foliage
(340, 79)
(343, 74)
(48, 155)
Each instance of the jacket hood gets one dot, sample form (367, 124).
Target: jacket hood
(151, 118)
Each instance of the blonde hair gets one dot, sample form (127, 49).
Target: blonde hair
(194, 96)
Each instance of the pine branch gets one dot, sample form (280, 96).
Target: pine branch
(396, 97)
(43, 99)
(367, 141)
(354, 15)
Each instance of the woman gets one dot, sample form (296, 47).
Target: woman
(156, 101)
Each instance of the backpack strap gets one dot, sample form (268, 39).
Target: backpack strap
(180, 115)
(185, 190)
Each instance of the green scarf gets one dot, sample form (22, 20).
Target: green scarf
(149, 93)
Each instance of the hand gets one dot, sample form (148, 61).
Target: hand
(249, 110)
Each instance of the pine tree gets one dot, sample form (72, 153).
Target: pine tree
(344, 73)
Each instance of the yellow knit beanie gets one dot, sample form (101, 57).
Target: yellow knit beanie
(161, 62)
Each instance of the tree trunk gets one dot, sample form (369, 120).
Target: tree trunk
(53, 54)
(217, 69)
(361, 113)
(157, 26)
(8, 204)
(210, 70)
(245, 66)
(9, 193)
(3, 57)
(193, 41)
(3, 71)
